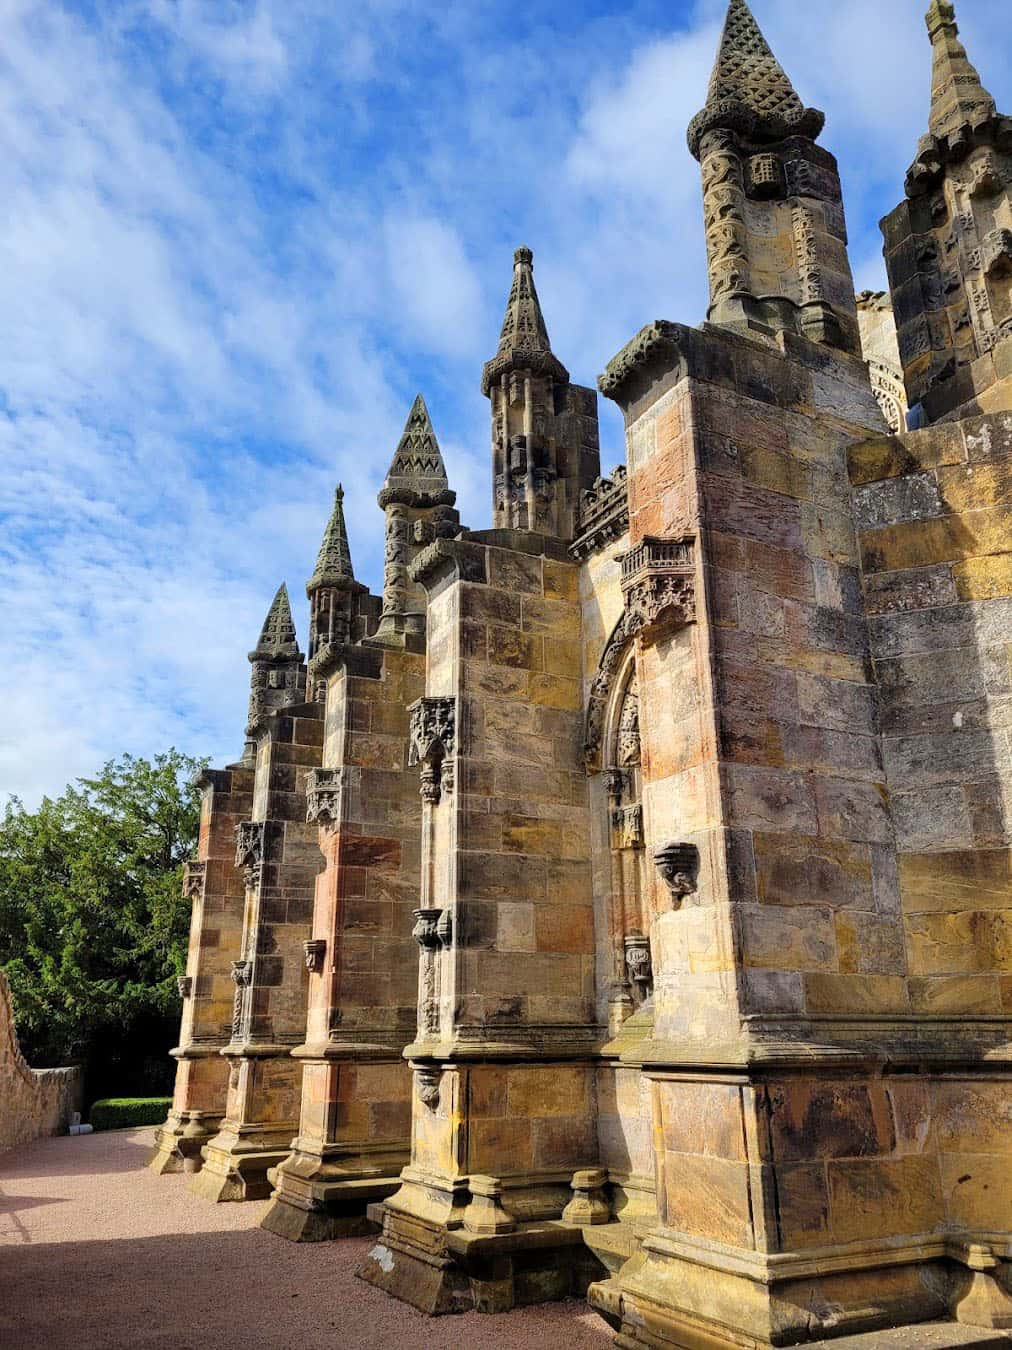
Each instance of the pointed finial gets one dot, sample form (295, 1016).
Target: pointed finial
(278, 637)
(523, 342)
(958, 98)
(333, 565)
(749, 90)
(418, 455)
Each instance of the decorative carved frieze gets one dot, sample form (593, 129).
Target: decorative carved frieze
(242, 977)
(251, 849)
(603, 516)
(433, 734)
(678, 865)
(627, 749)
(315, 949)
(627, 825)
(194, 875)
(433, 931)
(659, 586)
(597, 704)
(323, 796)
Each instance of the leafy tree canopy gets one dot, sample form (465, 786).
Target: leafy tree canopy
(93, 926)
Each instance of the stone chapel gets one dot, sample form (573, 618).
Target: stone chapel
(620, 904)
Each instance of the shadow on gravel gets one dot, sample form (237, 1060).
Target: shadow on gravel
(188, 1291)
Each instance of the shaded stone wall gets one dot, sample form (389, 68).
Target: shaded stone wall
(33, 1102)
(279, 854)
(355, 1122)
(216, 888)
(935, 511)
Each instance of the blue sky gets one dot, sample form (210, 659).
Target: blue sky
(240, 235)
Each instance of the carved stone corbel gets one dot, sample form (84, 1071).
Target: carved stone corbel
(315, 950)
(184, 983)
(427, 1084)
(678, 865)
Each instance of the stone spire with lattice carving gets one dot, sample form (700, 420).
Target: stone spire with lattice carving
(417, 474)
(948, 246)
(419, 508)
(544, 428)
(958, 99)
(332, 590)
(749, 90)
(278, 639)
(781, 266)
(278, 677)
(333, 565)
(523, 342)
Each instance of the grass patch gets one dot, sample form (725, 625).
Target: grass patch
(120, 1113)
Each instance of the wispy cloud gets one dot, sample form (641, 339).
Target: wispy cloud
(239, 236)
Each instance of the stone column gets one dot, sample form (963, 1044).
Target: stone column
(215, 886)
(278, 853)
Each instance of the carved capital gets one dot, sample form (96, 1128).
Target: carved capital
(323, 796)
(638, 962)
(678, 865)
(242, 974)
(194, 875)
(426, 929)
(659, 586)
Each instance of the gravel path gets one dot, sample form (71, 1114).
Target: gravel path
(97, 1253)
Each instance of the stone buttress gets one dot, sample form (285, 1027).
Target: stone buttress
(276, 850)
(214, 885)
(354, 1130)
(826, 1115)
(504, 1053)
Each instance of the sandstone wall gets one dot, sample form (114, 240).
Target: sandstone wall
(33, 1102)
(934, 508)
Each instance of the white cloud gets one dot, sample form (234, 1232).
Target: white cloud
(240, 234)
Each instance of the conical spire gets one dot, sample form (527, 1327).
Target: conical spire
(333, 566)
(523, 343)
(418, 455)
(957, 96)
(749, 91)
(278, 637)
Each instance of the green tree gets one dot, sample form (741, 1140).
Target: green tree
(93, 927)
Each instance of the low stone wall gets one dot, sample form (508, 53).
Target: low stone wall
(33, 1102)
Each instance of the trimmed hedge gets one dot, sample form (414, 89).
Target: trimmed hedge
(120, 1113)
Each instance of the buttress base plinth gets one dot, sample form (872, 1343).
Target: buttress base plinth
(180, 1141)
